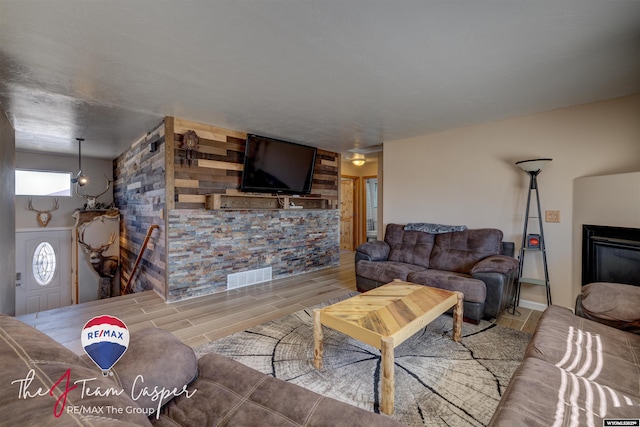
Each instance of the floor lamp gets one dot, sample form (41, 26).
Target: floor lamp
(533, 168)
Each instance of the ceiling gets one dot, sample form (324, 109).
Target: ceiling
(337, 74)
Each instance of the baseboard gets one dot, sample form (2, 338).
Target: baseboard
(538, 306)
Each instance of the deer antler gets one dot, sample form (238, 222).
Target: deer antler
(88, 196)
(55, 207)
(81, 241)
(112, 239)
(92, 200)
(102, 248)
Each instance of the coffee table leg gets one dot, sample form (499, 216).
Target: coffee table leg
(318, 343)
(457, 317)
(388, 392)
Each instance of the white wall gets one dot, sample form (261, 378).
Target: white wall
(611, 200)
(7, 217)
(467, 176)
(95, 169)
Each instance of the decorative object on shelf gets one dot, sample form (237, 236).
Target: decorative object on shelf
(43, 217)
(533, 242)
(105, 266)
(80, 179)
(92, 201)
(190, 143)
(358, 159)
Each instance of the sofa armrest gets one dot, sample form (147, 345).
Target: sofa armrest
(498, 272)
(495, 264)
(373, 251)
(500, 291)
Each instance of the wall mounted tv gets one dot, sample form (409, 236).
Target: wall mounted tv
(274, 166)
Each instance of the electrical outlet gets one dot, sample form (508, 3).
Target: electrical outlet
(552, 216)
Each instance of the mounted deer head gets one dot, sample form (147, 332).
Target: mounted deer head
(92, 200)
(43, 217)
(104, 266)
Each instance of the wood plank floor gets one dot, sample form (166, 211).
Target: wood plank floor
(200, 320)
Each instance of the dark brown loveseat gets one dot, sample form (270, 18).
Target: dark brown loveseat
(45, 384)
(475, 262)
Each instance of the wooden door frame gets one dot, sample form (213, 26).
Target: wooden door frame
(357, 209)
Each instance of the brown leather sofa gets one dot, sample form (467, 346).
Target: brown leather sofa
(475, 262)
(44, 383)
(575, 372)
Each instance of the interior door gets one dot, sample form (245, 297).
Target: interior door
(347, 193)
(43, 270)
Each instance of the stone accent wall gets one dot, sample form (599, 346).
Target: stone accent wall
(205, 246)
(139, 193)
(195, 249)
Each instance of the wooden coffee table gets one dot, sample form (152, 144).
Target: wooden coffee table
(385, 317)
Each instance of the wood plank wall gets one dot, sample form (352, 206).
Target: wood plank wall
(217, 166)
(139, 193)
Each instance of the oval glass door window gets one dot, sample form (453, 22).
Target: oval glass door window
(44, 263)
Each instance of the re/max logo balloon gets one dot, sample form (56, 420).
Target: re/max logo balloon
(105, 339)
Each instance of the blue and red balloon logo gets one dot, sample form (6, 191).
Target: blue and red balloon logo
(105, 339)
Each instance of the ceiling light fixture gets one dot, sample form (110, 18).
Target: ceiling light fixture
(358, 159)
(80, 178)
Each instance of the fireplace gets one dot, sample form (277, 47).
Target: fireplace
(610, 254)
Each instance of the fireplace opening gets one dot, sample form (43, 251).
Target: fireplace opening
(610, 254)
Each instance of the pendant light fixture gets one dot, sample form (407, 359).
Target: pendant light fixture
(80, 178)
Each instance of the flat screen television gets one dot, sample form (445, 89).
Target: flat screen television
(275, 166)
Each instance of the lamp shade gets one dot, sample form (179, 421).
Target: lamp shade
(533, 165)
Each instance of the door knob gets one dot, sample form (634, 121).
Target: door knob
(18, 279)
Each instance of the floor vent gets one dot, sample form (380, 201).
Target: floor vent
(246, 278)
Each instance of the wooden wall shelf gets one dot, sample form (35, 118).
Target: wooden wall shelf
(263, 201)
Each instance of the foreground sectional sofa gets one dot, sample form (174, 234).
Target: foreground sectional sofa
(576, 372)
(45, 384)
(475, 262)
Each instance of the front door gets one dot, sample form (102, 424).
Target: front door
(43, 270)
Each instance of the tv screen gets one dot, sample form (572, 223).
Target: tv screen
(274, 166)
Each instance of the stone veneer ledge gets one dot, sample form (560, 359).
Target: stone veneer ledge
(206, 245)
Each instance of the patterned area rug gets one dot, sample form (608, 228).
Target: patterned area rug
(438, 382)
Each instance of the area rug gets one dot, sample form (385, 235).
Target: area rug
(438, 382)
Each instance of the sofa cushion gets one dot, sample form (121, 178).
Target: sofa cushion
(385, 271)
(474, 290)
(541, 394)
(232, 394)
(613, 304)
(410, 247)
(24, 352)
(588, 349)
(155, 360)
(460, 251)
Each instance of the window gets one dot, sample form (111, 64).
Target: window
(44, 263)
(42, 183)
